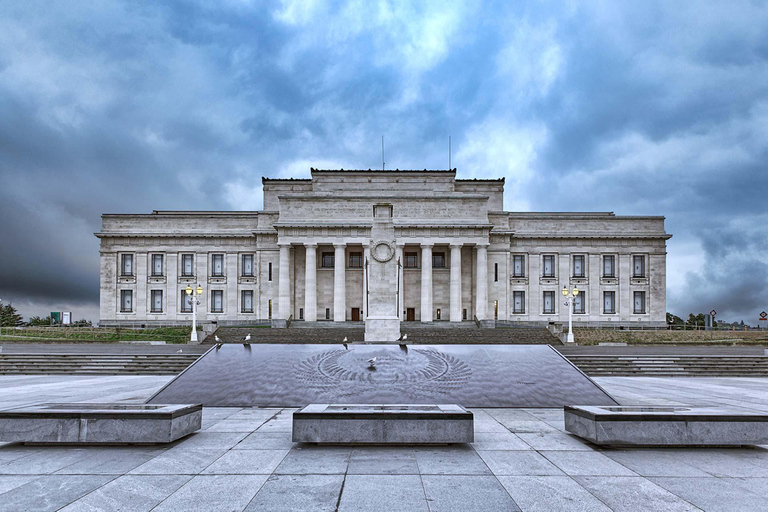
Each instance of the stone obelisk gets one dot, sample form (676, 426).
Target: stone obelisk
(382, 322)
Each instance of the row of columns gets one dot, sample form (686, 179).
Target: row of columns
(339, 282)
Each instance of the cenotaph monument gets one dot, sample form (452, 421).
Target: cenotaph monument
(381, 321)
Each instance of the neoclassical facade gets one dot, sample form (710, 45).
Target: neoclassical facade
(462, 257)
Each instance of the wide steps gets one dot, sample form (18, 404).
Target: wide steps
(670, 366)
(95, 364)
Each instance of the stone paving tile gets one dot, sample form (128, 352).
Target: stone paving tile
(484, 422)
(50, 492)
(8, 482)
(450, 460)
(555, 441)
(12, 451)
(111, 460)
(235, 426)
(253, 413)
(511, 414)
(498, 441)
(298, 493)
(462, 493)
(129, 493)
(383, 493)
(721, 462)
(210, 440)
(628, 493)
(551, 494)
(383, 461)
(654, 463)
(710, 493)
(519, 426)
(213, 493)
(315, 460)
(519, 463)
(266, 441)
(246, 462)
(586, 463)
(180, 462)
(45, 461)
(276, 426)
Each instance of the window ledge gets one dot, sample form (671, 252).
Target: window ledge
(156, 279)
(246, 280)
(217, 279)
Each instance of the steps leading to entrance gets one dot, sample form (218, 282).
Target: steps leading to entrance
(671, 365)
(94, 364)
(417, 333)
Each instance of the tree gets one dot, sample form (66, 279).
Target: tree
(82, 323)
(674, 319)
(36, 321)
(9, 317)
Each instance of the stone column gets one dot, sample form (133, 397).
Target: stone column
(455, 283)
(426, 282)
(310, 284)
(399, 256)
(339, 284)
(481, 300)
(366, 258)
(283, 283)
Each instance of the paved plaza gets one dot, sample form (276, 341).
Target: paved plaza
(244, 459)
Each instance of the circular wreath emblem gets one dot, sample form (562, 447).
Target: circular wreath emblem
(382, 251)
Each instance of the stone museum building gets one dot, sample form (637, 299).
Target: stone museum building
(461, 256)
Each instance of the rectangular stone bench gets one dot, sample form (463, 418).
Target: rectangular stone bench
(666, 426)
(383, 424)
(89, 423)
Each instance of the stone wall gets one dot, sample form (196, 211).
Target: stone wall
(595, 336)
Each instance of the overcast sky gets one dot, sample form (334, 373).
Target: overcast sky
(640, 108)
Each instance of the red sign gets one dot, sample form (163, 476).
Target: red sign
(713, 312)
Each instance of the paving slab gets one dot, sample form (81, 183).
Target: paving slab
(8, 482)
(461, 493)
(44, 461)
(298, 493)
(129, 493)
(213, 493)
(220, 440)
(383, 460)
(654, 463)
(498, 441)
(450, 460)
(627, 493)
(246, 462)
(50, 492)
(228, 425)
(519, 463)
(314, 460)
(111, 460)
(177, 461)
(383, 493)
(266, 441)
(551, 494)
(586, 463)
(555, 441)
(710, 493)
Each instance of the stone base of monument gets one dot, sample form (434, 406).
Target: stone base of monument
(383, 424)
(667, 426)
(88, 423)
(382, 329)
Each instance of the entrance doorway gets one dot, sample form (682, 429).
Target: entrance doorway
(410, 314)
(355, 314)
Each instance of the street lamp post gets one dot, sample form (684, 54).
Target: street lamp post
(193, 294)
(570, 295)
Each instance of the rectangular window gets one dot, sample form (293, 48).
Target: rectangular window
(246, 301)
(270, 272)
(579, 304)
(126, 301)
(217, 265)
(438, 314)
(126, 264)
(638, 265)
(578, 265)
(217, 301)
(301, 313)
(609, 266)
(609, 303)
(548, 269)
(186, 302)
(327, 260)
(187, 265)
(247, 265)
(639, 308)
(269, 308)
(496, 272)
(464, 314)
(518, 265)
(518, 302)
(156, 301)
(327, 313)
(355, 260)
(549, 303)
(157, 265)
(438, 260)
(411, 260)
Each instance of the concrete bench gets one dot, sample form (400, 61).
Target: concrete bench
(89, 423)
(667, 426)
(383, 424)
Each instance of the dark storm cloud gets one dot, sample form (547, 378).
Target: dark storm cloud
(638, 108)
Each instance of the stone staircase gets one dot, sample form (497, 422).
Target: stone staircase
(94, 364)
(417, 334)
(647, 365)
